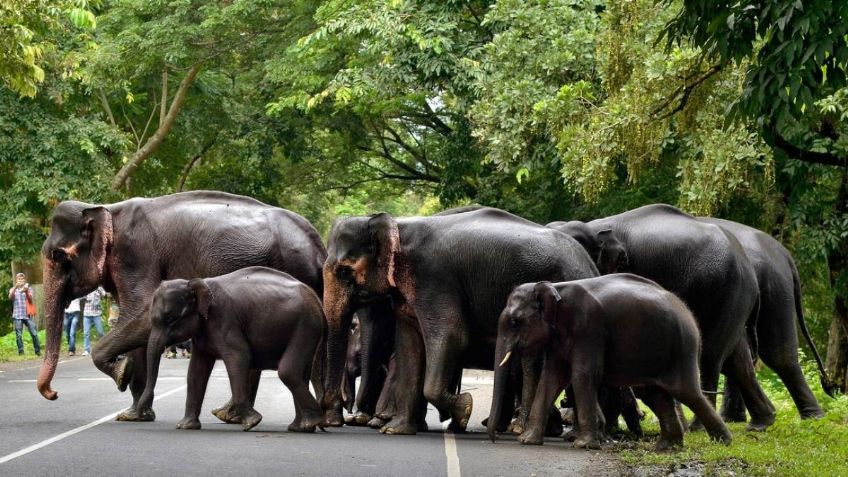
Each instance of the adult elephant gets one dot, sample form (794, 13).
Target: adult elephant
(780, 307)
(131, 246)
(706, 267)
(448, 277)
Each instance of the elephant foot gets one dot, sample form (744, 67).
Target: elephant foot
(668, 444)
(133, 414)
(695, 425)
(571, 435)
(584, 442)
(333, 418)
(123, 374)
(376, 422)
(399, 427)
(304, 425)
(518, 425)
(250, 419)
(812, 413)
(189, 423)
(461, 412)
(361, 419)
(554, 427)
(531, 437)
(761, 423)
(734, 417)
(722, 436)
(225, 413)
(567, 416)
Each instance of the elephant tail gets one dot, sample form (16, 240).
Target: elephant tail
(751, 330)
(828, 385)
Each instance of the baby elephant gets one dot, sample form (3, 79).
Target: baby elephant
(615, 330)
(253, 318)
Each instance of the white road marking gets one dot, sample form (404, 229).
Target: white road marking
(60, 362)
(58, 438)
(450, 452)
(21, 381)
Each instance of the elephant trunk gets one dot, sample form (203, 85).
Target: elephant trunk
(501, 379)
(155, 346)
(124, 338)
(339, 312)
(54, 308)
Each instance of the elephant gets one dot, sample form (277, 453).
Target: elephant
(371, 346)
(130, 247)
(706, 267)
(448, 277)
(254, 318)
(614, 330)
(780, 307)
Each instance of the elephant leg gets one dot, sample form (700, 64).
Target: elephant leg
(236, 361)
(409, 356)
(630, 411)
(137, 361)
(739, 367)
(385, 408)
(778, 349)
(671, 428)
(732, 404)
(552, 381)
(226, 413)
(294, 370)
(199, 369)
(531, 368)
(687, 391)
(442, 363)
(586, 397)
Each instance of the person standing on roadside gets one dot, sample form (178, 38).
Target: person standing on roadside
(91, 315)
(22, 314)
(72, 316)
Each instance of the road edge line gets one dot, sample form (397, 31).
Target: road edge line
(451, 455)
(77, 430)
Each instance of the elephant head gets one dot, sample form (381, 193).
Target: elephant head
(75, 257)
(525, 326)
(178, 311)
(360, 269)
(604, 246)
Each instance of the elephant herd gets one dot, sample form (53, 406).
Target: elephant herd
(680, 301)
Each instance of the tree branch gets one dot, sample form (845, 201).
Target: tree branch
(158, 137)
(106, 107)
(794, 152)
(687, 92)
(162, 105)
(190, 164)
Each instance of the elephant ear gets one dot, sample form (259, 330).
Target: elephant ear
(385, 242)
(97, 232)
(548, 298)
(612, 257)
(203, 296)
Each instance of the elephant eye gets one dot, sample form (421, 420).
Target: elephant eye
(344, 273)
(513, 323)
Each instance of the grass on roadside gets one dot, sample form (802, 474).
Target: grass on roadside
(791, 447)
(9, 348)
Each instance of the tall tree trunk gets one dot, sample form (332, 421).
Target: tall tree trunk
(837, 347)
(153, 143)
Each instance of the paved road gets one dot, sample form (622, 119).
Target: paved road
(77, 435)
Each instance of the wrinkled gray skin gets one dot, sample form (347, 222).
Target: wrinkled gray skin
(707, 268)
(448, 277)
(369, 351)
(615, 330)
(253, 319)
(780, 307)
(131, 246)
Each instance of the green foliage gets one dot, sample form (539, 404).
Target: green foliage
(27, 37)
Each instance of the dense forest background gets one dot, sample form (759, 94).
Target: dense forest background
(552, 110)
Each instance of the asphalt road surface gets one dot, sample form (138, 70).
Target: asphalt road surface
(77, 435)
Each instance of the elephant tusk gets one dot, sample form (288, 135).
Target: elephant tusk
(506, 358)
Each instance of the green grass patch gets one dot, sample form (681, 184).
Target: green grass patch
(9, 349)
(791, 447)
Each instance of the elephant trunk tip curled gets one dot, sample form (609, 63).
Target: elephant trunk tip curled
(43, 382)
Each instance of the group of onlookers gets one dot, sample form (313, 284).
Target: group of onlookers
(91, 316)
(89, 307)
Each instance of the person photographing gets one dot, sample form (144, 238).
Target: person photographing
(23, 311)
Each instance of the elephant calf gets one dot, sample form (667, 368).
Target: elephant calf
(253, 318)
(614, 330)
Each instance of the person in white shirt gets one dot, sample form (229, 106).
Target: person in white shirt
(91, 315)
(72, 315)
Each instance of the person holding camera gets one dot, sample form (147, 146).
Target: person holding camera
(23, 311)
